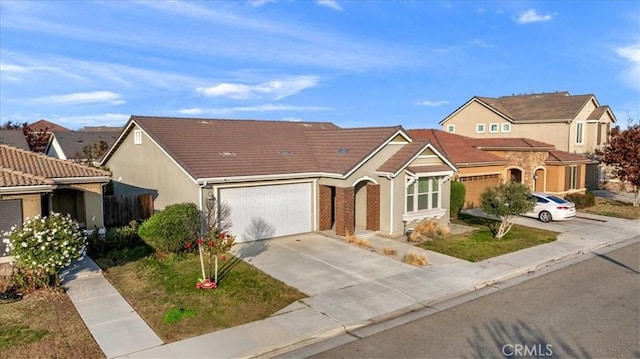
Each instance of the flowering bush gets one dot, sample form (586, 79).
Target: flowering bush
(46, 245)
(215, 244)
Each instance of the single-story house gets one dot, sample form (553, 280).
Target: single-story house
(35, 184)
(487, 162)
(281, 178)
(80, 146)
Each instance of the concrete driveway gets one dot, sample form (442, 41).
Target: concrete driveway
(314, 264)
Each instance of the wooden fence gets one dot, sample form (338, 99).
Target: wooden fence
(120, 210)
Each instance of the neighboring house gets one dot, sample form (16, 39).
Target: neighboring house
(35, 184)
(101, 129)
(14, 138)
(39, 133)
(571, 123)
(80, 146)
(46, 126)
(487, 162)
(281, 178)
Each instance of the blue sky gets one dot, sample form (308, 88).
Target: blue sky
(354, 63)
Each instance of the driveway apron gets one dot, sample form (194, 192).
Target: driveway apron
(313, 263)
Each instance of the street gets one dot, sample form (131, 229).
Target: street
(588, 309)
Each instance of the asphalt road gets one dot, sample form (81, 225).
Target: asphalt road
(588, 309)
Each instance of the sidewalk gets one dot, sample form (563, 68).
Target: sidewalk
(121, 333)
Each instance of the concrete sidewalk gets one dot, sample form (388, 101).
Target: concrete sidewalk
(120, 332)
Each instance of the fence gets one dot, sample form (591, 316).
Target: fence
(120, 210)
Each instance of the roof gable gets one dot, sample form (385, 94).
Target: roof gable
(408, 153)
(456, 147)
(72, 143)
(14, 138)
(46, 126)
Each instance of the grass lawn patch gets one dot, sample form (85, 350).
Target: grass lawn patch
(612, 208)
(162, 291)
(479, 244)
(45, 324)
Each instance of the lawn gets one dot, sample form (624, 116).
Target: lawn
(479, 244)
(162, 291)
(45, 324)
(612, 208)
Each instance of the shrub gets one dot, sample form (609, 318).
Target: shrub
(582, 200)
(360, 242)
(42, 246)
(442, 229)
(170, 229)
(389, 251)
(115, 239)
(416, 259)
(458, 193)
(423, 229)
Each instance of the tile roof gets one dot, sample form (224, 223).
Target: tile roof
(564, 157)
(46, 126)
(13, 178)
(18, 164)
(102, 129)
(401, 158)
(456, 147)
(509, 143)
(14, 138)
(544, 107)
(598, 113)
(72, 142)
(216, 148)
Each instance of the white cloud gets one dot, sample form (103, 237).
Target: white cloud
(432, 103)
(258, 108)
(102, 119)
(277, 89)
(258, 3)
(332, 4)
(191, 111)
(631, 74)
(82, 97)
(532, 15)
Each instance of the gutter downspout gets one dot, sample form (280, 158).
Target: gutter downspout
(391, 205)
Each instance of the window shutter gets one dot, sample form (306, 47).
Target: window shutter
(567, 178)
(578, 182)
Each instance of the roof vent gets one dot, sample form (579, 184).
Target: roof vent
(285, 152)
(343, 151)
(227, 153)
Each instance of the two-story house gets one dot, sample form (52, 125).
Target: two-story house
(571, 123)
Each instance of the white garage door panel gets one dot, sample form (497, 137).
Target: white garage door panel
(269, 211)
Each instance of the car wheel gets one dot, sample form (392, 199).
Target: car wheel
(545, 216)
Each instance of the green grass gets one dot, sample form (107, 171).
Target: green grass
(16, 334)
(612, 208)
(155, 287)
(479, 244)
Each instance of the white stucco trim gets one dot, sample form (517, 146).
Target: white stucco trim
(364, 178)
(80, 180)
(27, 189)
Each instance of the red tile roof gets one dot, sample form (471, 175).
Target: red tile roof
(509, 144)
(46, 126)
(458, 148)
(544, 107)
(215, 148)
(564, 157)
(20, 166)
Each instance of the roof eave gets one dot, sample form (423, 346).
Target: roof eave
(76, 180)
(27, 189)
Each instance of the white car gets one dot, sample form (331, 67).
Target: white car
(551, 208)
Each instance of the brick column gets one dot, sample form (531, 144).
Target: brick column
(326, 209)
(345, 215)
(373, 207)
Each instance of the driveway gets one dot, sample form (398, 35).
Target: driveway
(313, 263)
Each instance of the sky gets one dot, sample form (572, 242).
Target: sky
(353, 63)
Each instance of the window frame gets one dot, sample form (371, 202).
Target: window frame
(137, 137)
(429, 193)
(579, 133)
(508, 130)
(491, 128)
(451, 128)
(478, 127)
(573, 177)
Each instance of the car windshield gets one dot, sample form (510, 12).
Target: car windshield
(557, 199)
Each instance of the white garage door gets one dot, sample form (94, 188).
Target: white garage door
(268, 211)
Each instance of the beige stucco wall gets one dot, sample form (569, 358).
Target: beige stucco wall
(30, 204)
(146, 166)
(556, 179)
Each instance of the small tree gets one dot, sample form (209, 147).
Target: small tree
(505, 202)
(458, 193)
(172, 228)
(94, 152)
(623, 154)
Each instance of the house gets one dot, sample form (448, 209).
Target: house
(35, 184)
(487, 162)
(101, 129)
(80, 146)
(46, 126)
(281, 178)
(14, 138)
(39, 133)
(571, 123)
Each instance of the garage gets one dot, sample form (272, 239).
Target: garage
(261, 212)
(475, 185)
(10, 215)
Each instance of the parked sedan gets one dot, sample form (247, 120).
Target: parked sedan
(551, 208)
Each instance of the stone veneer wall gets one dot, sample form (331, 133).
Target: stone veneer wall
(528, 161)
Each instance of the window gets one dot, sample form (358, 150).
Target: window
(506, 127)
(572, 177)
(493, 128)
(579, 133)
(451, 128)
(424, 194)
(137, 137)
(479, 127)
